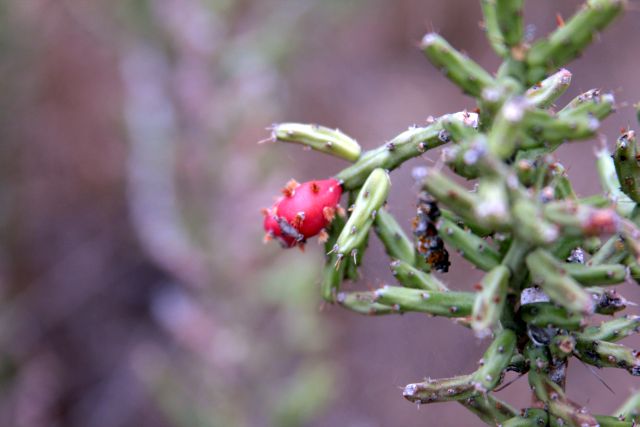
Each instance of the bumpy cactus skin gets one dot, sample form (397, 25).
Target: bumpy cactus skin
(318, 138)
(549, 257)
(627, 161)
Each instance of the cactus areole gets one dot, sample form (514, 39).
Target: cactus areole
(545, 251)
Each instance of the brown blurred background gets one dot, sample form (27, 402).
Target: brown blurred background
(134, 286)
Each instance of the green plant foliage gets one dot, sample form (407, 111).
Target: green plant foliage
(537, 242)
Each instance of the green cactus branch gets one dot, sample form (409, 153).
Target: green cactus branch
(549, 257)
(489, 408)
(531, 417)
(544, 94)
(494, 361)
(437, 303)
(440, 390)
(493, 32)
(510, 21)
(318, 138)
(461, 70)
(395, 241)
(411, 143)
(570, 39)
(490, 301)
(612, 330)
(392, 299)
(630, 409)
(472, 247)
(626, 159)
(411, 277)
(544, 314)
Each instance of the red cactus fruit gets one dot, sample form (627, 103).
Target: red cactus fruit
(303, 211)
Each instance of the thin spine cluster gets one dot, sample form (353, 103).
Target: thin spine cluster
(550, 257)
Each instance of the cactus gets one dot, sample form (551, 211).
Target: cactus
(549, 257)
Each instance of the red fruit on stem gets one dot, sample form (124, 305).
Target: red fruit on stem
(279, 228)
(305, 207)
(303, 211)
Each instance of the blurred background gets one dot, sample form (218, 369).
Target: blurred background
(134, 286)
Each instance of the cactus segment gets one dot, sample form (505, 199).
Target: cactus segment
(609, 421)
(461, 70)
(494, 96)
(634, 268)
(611, 184)
(530, 225)
(460, 126)
(631, 237)
(626, 159)
(591, 103)
(396, 243)
(595, 275)
(561, 410)
(464, 158)
(439, 390)
(319, 138)
(332, 278)
(489, 408)
(492, 30)
(510, 21)
(570, 39)
(490, 300)
(604, 354)
(532, 417)
(581, 219)
(493, 204)
(410, 143)
(473, 248)
(542, 125)
(562, 186)
(410, 277)
(370, 199)
(354, 261)
(452, 195)
(546, 314)
(612, 251)
(612, 330)
(363, 303)
(494, 361)
(543, 94)
(548, 273)
(446, 304)
(630, 409)
(503, 139)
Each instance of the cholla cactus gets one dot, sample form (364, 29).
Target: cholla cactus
(549, 256)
